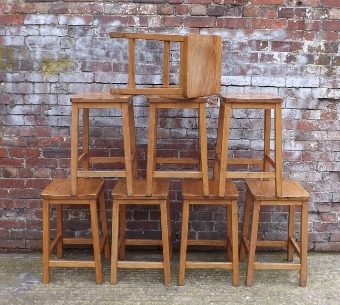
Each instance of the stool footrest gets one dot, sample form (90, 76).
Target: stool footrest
(140, 265)
(76, 264)
(101, 174)
(77, 241)
(290, 266)
(208, 265)
(143, 242)
(207, 242)
(177, 160)
(178, 174)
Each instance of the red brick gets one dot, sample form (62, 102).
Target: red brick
(12, 19)
(199, 22)
(331, 3)
(269, 24)
(330, 25)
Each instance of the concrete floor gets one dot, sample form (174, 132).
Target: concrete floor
(20, 283)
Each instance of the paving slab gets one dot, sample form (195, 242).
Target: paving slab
(21, 273)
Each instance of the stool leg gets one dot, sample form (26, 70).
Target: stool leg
(245, 226)
(127, 149)
(165, 242)
(184, 242)
(59, 220)
(114, 246)
(267, 130)
(86, 134)
(252, 243)
(291, 233)
(74, 148)
(122, 232)
(234, 240)
(278, 149)
(132, 137)
(152, 138)
(229, 220)
(169, 226)
(46, 241)
(218, 148)
(303, 243)
(224, 150)
(95, 238)
(202, 125)
(104, 225)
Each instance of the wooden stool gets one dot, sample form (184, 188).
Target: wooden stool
(267, 102)
(262, 193)
(90, 191)
(120, 200)
(192, 194)
(98, 100)
(200, 64)
(156, 103)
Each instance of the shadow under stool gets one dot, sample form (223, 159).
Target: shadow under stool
(192, 194)
(58, 193)
(260, 194)
(160, 197)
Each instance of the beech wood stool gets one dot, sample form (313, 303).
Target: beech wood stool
(160, 196)
(268, 102)
(100, 100)
(192, 194)
(156, 103)
(262, 193)
(58, 193)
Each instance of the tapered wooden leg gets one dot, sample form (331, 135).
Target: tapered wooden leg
(203, 147)
(218, 148)
(96, 244)
(184, 242)
(234, 240)
(132, 137)
(291, 233)
(102, 210)
(46, 242)
(224, 150)
(122, 232)
(114, 246)
(229, 220)
(59, 209)
(245, 226)
(304, 243)
(127, 150)
(165, 241)
(169, 227)
(252, 244)
(152, 139)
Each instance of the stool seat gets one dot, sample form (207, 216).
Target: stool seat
(80, 162)
(160, 196)
(58, 193)
(171, 102)
(262, 193)
(271, 166)
(192, 193)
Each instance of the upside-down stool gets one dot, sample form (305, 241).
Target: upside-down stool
(160, 196)
(272, 166)
(58, 193)
(262, 193)
(192, 194)
(80, 162)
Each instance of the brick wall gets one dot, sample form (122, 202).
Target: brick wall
(50, 50)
